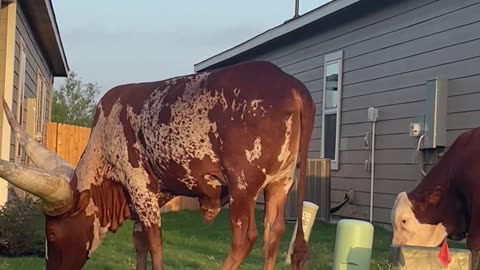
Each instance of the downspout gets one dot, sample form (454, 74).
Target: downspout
(372, 117)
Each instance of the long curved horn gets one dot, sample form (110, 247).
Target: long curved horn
(54, 190)
(41, 156)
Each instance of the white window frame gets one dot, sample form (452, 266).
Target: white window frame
(22, 73)
(39, 101)
(333, 58)
(44, 106)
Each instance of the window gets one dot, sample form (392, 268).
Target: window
(332, 96)
(40, 106)
(43, 108)
(20, 95)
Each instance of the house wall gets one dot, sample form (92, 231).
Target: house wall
(37, 80)
(38, 74)
(390, 49)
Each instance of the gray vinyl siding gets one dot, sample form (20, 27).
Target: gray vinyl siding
(3, 43)
(390, 49)
(35, 60)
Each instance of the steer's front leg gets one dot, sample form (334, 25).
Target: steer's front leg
(148, 210)
(154, 235)
(140, 242)
(148, 238)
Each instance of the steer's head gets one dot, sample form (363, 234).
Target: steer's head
(69, 217)
(70, 236)
(408, 230)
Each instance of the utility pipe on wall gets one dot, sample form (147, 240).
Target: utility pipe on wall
(297, 7)
(420, 161)
(372, 117)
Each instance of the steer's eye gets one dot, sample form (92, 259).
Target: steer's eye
(404, 221)
(51, 236)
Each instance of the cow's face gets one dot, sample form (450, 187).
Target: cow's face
(407, 230)
(69, 225)
(69, 239)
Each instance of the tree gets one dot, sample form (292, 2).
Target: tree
(74, 103)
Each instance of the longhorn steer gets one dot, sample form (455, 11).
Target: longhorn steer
(446, 203)
(238, 129)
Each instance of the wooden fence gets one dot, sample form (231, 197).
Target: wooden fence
(69, 142)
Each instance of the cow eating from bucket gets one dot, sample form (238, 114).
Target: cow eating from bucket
(446, 203)
(221, 136)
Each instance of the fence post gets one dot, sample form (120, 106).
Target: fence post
(325, 180)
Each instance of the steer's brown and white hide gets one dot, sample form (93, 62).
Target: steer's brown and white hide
(220, 136)
(446, 203)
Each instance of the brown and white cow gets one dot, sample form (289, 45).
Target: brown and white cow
(220, 136)
(446, 203)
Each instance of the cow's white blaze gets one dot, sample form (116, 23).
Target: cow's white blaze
(287, 159)
(407, 230)
(256, 152)
(256, 108)
(285, 151)
(236, 92)
(99, 232)
(242, 184)
(212, 181)
(255, 104)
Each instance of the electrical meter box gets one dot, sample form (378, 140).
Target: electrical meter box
(435, 126)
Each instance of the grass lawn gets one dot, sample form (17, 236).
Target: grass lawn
(191, 244)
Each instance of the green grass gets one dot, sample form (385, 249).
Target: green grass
(189, 243)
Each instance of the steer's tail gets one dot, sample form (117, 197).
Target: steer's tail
(307, 114)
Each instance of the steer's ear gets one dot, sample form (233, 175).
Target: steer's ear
(428, 199)
(82, 201)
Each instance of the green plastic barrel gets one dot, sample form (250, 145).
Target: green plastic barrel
(353, 245)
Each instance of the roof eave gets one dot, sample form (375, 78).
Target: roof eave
(43, 23)
(274, 33)
(64, 67)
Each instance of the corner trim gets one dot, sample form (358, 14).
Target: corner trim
(7, 93)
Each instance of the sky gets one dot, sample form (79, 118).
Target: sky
(111, 42)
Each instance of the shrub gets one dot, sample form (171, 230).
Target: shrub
(22, 227)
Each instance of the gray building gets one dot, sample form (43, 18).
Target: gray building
(31, 56)
(415, 61)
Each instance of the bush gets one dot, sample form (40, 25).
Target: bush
(22, 227)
